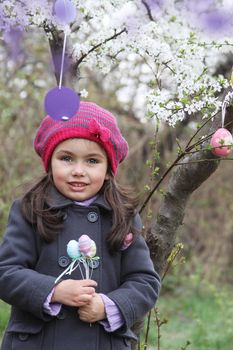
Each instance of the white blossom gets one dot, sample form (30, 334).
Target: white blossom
(84, 93)
(164, 58)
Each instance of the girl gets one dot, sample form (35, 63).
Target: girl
(77, 202)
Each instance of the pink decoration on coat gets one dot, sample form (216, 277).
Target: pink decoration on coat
(127, 241)
(221, 142)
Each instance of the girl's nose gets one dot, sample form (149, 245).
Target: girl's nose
(78, 170)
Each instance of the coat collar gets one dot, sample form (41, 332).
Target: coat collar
(56, 200)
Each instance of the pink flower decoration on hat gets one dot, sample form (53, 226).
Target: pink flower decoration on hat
(99, 131)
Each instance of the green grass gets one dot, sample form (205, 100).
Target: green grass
(4, 316)
(199, 314)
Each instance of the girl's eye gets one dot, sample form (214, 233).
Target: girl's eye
(92, 161)
(66, 158)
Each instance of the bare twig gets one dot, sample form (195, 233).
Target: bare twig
(148, 10)
(95, 47)
(159, 324)
(159, 182)
(186, 346)
(147, 330)
(175, 252)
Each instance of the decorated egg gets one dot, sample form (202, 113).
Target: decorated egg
(84, 244)
(221, 141)
(65, 11)
(73, 249)
(61, 103)
(92, 250)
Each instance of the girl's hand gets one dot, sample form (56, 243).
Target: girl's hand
(74, 292)
(93, 311)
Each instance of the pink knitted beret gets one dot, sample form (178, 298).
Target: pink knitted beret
(91, 122)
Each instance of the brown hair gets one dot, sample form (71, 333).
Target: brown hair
(49, 223)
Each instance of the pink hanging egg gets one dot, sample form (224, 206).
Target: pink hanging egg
(84, 244)
(92, 250)
(221, 141)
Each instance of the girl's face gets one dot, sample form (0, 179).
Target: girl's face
(79, 168)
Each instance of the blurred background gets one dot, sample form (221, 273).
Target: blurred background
(196, 305)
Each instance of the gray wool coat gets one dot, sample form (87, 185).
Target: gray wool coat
(29, 267)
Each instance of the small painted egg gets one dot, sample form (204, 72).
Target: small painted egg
(84, 244)
(92, 250)
(65, 11)
(62, 103)
(73, 249)
(220, 138)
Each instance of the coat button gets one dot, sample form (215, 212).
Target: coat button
(63, 261)
(93, 264)
(23, 336)
(92, 216)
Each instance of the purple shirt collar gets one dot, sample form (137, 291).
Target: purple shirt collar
(87, 202)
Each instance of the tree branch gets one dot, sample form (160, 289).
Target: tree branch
(185, 179)
(148, 10)
(56, 44)
(95, 47)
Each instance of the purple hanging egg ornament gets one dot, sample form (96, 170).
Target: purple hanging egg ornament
(61, 103)
(65, 11)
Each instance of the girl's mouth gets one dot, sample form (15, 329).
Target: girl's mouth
(77, 186)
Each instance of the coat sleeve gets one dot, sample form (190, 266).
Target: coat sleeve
(140, 284)
(20, 284)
